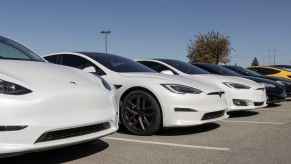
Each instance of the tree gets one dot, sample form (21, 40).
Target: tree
(255, 62)
(212, 47)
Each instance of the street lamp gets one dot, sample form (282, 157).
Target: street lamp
(106, 33)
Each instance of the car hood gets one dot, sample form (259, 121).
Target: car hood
(278, 79)
(262, 80)
(219, 79)
(44, 76)
(158, 78)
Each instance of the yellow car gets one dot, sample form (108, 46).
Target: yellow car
(271, 71)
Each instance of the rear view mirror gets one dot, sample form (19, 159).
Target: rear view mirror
(167, 72)
(89, 69)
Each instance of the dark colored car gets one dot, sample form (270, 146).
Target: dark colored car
(275, 91)
(246, 72)
(284, 67)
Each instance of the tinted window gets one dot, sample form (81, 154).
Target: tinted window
(243, 71)
(14, 51)
(156, 66)
(53, 59)
(283, 67)
(217, 69)
(264, 71)
(79, 62)
(184, 67)
(118, 63)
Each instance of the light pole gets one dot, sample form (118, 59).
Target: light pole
(106, 33)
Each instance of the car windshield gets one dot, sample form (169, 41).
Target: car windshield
(184, 67)
(217, 69)
(283, 67)
(117, 63)
(11, 50)
(243, 71)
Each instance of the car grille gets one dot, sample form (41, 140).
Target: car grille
(258, 103)
(213, 115)
(73, 132)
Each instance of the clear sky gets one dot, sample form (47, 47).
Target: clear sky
(150, 28)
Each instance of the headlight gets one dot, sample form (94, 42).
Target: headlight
(236, 85)
(9, 88)
(105, 84)
(268, 85)
(181, 89)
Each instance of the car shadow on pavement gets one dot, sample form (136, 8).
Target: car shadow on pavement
(60, 155)
(273, 105)
(188, 130)
(236, 114)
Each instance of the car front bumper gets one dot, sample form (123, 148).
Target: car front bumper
(255, 98)
(192, 109)
(58, 114)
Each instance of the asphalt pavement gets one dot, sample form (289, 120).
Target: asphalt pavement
(259, 136)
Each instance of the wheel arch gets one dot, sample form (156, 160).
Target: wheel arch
(126, 92)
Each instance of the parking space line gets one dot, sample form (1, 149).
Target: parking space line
(274, 110)
(168, 144)
(254, 122)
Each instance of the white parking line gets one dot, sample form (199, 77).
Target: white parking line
(168, 144)
(254, 122)
(273, 110)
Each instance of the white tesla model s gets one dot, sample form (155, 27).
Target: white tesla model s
(149, 100)
(45, 105)
(241, 93)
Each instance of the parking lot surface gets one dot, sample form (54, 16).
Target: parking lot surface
(260, 136)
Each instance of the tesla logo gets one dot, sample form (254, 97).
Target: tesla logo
(73, 83)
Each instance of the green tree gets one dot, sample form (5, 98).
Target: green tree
(255, 62)
(212, 47)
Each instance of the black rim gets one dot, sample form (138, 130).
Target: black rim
(139, 112)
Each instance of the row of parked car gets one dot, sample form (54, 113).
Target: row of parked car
(72, 97)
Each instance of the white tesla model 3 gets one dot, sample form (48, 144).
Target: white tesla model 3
(241, 93)
(45, 105)
(150, 100)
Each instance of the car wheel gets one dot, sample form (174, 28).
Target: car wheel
(140, 113)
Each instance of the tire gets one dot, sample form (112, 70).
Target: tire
(140, 113)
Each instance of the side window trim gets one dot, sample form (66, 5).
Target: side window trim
(160, 65)
(99, 71)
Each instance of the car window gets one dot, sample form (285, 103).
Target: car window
(243, 71)
(12, 50)
(265, 71)
(117, 63)
(53, 59)
(156, 66)
(184, 67)
(79, 62)
(217, 69)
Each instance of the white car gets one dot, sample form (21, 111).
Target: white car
(150, 100)
(241, 93)
(44, 105)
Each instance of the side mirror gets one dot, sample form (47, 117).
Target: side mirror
(167, 72)
(89, 69)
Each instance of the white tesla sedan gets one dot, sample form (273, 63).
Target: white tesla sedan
(45, 105)
(149, 100)
(241, 93)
